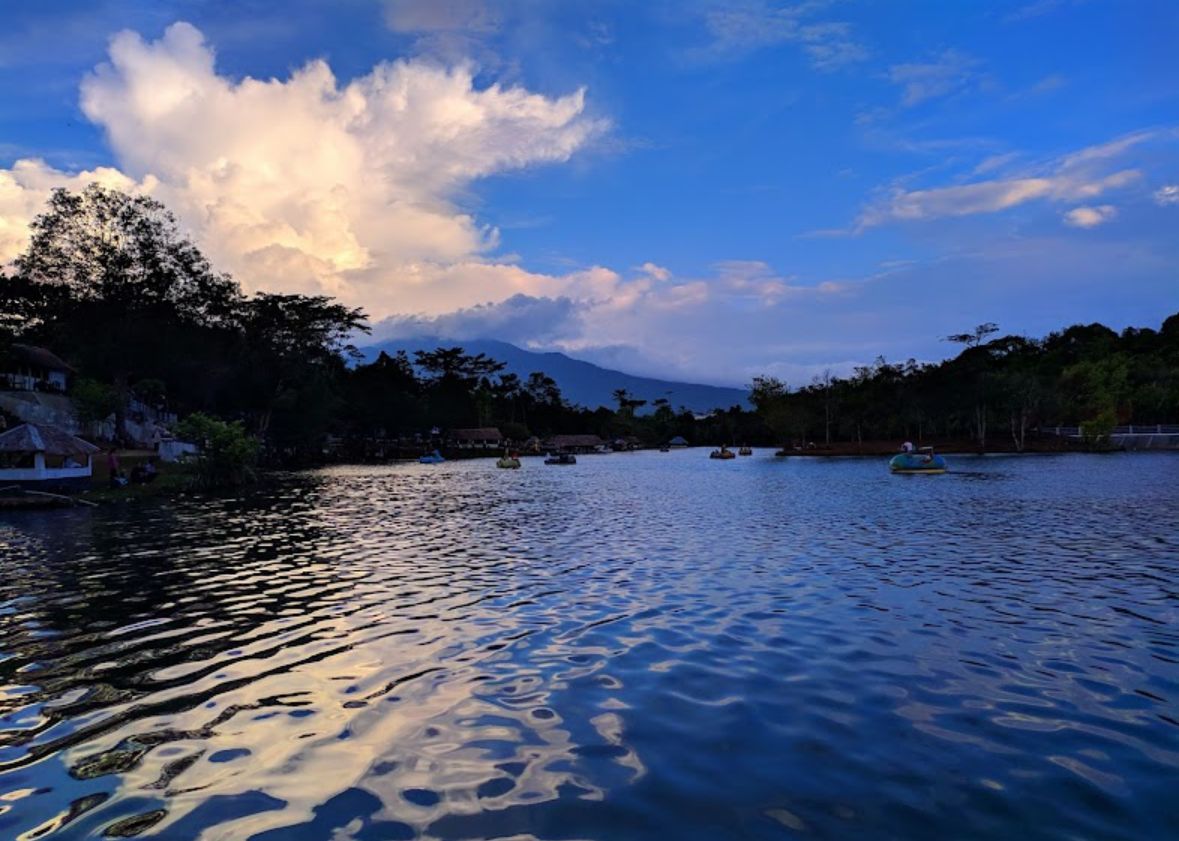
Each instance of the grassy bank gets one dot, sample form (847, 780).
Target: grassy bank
(170, 480)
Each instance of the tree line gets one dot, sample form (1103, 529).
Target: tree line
(110, 283)
(997, 392)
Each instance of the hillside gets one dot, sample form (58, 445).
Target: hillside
(582, 383)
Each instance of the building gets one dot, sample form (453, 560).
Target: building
(575, 444)
(486, 436)
(678, 441)
(45, 458)
(32, 368)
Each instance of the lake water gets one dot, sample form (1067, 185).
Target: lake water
(644, 646)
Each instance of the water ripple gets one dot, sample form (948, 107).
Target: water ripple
(644, 646)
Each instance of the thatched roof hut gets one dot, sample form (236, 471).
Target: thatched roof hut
(37, 438)
(574, 443)
(484, 436)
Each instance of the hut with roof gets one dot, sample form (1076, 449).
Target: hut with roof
(41, 457)
(32, 368)
(575, 444)
(486, 436)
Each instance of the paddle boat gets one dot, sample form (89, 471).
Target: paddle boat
(508, 461)
(431, 458)
(561, 458)
(923, 460)
(745, 451)
(723, 453)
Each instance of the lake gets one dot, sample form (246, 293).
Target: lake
(641, 646)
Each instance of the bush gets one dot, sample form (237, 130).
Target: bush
(94, 402)
(1096, 431)
(228, 453)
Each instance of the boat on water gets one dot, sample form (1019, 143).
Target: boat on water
(508, 461)
(723, 453)
(431, 458)
(561, 458)
(665, 449)
(745, 451)
(923, 460)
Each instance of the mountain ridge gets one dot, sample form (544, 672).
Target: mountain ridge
(581, 382)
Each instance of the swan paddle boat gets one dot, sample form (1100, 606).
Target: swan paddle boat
(508, 461)
(431, 458)
(723, 453)
(561, 458)
(924, 460)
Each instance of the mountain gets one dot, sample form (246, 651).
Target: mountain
(581, 382)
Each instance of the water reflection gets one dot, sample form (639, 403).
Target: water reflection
(644, 646)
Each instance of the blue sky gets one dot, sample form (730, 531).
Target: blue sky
(700, 189)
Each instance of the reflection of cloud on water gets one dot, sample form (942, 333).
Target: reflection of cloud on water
(302, 656)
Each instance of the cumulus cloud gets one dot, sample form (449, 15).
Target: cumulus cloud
(1090, 217)
(1079, 176)
(1166, 195)
(950, 72)
(306, 184)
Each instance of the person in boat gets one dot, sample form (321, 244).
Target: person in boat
(149, 470)
(907, 447)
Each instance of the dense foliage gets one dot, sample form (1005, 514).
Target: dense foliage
(997, 390)
(110, 284)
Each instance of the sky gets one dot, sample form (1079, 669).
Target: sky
(694, 189)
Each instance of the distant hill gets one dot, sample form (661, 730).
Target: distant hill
(581, 382)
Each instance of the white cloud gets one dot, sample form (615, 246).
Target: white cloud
(1090, 217)
(1166, 195)
(740, 27)
(305, 184)
(654, 271)
(1079, 176)
(951, 72)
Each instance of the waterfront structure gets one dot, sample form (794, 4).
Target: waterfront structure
(485, 436)
(574, 444)
(45, 458)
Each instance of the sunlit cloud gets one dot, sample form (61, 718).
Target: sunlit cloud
(1090, 217)
(1079, 176)
(305, 184)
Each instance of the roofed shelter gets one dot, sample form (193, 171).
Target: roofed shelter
(574, 443)
(486, 436)
(43, 457)
(32, 368)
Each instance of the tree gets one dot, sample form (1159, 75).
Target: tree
(227, 456)
(770, 396)
(973, 338)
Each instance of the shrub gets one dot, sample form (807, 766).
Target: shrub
(228, 453)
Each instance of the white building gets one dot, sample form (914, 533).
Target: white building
(45, 458)
(32, 368)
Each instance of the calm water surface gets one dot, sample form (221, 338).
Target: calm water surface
(638, 647)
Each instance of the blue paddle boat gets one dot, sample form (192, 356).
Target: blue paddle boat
(431, 458)
(924, 460)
